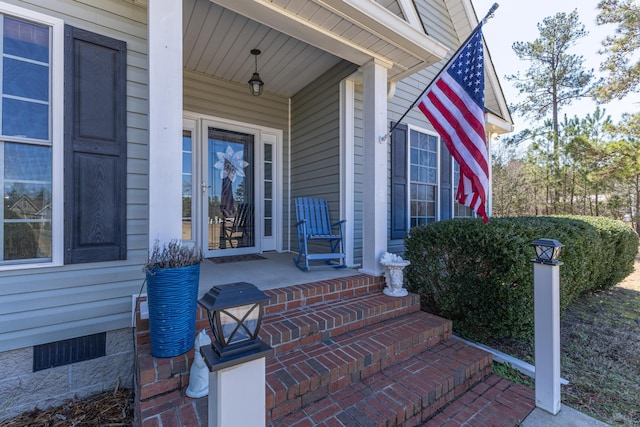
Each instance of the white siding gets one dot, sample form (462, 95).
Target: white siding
(438, 24)
(49, 304)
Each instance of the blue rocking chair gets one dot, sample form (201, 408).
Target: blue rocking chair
(314, 225)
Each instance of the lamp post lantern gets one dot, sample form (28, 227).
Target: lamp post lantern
(236, 357)
(546, 290)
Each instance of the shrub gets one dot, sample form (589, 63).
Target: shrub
(480, 275)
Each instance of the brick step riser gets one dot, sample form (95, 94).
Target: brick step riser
(298, 296)
(406, 393)
(285, 333)
(306, 295)
(312, 374)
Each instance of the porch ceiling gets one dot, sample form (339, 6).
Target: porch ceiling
(299, 40)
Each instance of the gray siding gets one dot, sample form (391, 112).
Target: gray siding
(437, 22)
(207, 95)
(49, 304)
(315, 136)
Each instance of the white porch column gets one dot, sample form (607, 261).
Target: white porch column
(375, 167)
(165, 120)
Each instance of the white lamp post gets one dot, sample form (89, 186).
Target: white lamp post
(546, 292)
(236, 359)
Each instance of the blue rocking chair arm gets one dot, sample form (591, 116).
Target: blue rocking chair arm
(299, 223)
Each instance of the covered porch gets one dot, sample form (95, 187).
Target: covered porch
(328, 68)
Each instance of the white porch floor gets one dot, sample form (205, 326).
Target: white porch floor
(276, 271)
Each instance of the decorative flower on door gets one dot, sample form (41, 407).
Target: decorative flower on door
(230, 164)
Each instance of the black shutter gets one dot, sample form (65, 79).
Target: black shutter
(399, 182)
(95, 147)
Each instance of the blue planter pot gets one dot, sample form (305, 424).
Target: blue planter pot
(172, 294)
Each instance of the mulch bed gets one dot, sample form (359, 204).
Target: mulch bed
(109, 409)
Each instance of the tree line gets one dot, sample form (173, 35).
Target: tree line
(574, 165)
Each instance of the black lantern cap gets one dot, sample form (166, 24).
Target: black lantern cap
(232, 295)
(547, 251)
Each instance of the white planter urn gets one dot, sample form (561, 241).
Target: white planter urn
(394, 275)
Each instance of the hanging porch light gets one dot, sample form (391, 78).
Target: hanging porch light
(256, 83)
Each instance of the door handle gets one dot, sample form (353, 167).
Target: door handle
(204, 187)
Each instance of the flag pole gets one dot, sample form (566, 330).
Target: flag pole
(488, 16)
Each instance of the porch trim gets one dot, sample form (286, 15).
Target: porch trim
(165, 119)
(410, 48)
(376, 169)
(347, 185)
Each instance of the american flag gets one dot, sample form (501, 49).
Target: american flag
(454, 104)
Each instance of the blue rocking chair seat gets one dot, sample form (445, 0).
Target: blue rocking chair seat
(314, 225)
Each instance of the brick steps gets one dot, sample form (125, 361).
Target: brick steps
(310, 372)
(346, 354)
(404, 393)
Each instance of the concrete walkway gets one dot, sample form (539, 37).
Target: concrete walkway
(567, 417)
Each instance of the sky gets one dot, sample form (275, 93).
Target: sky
(517, 20)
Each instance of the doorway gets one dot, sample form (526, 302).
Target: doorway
(231, 187)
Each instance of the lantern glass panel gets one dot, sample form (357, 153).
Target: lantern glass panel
(239, 323)
(547, 253)
(543, 252)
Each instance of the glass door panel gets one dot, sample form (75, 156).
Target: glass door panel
(230, 196)
(187, 185)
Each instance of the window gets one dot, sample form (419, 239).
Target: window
(459, 211)
(30, 137)
(423, 178)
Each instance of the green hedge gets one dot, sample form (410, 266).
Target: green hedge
(481, 277)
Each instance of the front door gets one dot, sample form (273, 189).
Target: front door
(234, 201)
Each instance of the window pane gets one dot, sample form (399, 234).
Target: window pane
(431, 176)
(267, 171)
(27, 162)
(25, 79)
(26, 227)
(26, 40)
(424, 176)
(25, 119)
(433, 141)
(268, 208)
(430, 210)
(268, 156)
(186, 163)
(187, 187)
(432, 161)
(186, 141)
